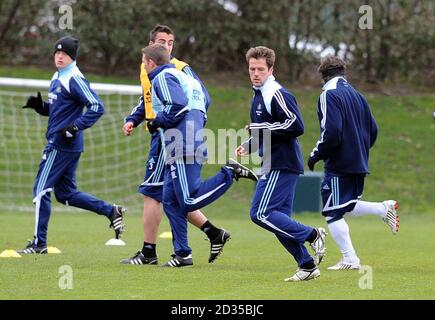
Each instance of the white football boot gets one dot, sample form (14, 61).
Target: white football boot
(319, 245)
(391, 218)
(346, 265)
(304, 275)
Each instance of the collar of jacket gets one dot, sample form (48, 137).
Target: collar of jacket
(332, 83)
(67, 68)
(159, 69)
(268, 80)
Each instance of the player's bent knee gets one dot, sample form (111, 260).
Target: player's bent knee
(254, 218)
(188, 207)
(168, 208)
(333, 218)
(62, 198)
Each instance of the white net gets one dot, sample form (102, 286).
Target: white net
(111, 167)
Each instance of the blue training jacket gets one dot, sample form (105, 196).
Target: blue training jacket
(68, 94)
(179, 103)
(347, 129)
(274, 111)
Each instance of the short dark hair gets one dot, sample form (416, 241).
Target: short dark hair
(261, 53)
(160, 28)
(331, 66)
(157, 53)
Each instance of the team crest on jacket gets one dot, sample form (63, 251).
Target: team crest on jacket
(258, 111)
(58, 89)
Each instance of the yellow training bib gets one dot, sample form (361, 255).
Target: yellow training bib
(146, 86)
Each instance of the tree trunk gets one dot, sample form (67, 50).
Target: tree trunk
(8, 23)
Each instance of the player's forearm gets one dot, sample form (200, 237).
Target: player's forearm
(88, 119)
(135, 120)
(326, 148)
(293, 128)
(137, 115)
(171, 119)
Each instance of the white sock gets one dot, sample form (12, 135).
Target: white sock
(340, 233)
(363, 208)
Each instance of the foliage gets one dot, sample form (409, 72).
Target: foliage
(215, 34)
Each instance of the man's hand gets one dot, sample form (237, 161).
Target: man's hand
(240, 151)
(152, 127)
(34, 102)
(69, 133)
(128, 128)
(311, 162)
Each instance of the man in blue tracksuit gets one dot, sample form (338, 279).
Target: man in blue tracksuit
(68, 94)
(275, 125)
(179, 104)
(347, 132)
(152, 186)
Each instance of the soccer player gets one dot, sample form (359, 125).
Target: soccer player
(179, 103)
(68, 94)
(152, 187)
(347, 131)
(275, 125)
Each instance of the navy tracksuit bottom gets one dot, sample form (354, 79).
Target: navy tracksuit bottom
(57, 172)
(184, 192)
(271, 209)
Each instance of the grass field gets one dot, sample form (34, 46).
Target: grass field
(252, 266)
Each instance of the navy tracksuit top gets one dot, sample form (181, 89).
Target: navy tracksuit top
(347, 129)
(68, 95)
(274, 111)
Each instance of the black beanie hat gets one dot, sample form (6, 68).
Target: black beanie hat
(67, 44)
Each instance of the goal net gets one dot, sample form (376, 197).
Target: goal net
(111, 167)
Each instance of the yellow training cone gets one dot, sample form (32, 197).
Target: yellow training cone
(166, 235)
(9, 254)
(53, 250)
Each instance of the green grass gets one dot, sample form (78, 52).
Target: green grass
(252, 266)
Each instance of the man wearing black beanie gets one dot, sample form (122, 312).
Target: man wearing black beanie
(68, 94)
